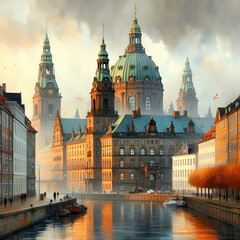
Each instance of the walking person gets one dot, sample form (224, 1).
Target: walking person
(54, 196)
(5, 202)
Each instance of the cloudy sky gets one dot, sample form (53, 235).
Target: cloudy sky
(207, 30)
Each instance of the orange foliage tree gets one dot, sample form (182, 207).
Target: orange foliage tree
(220, 177)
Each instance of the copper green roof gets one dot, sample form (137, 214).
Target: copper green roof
(202, 125)
(102, 71)
(137, 64)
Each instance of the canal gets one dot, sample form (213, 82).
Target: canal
(129, 220)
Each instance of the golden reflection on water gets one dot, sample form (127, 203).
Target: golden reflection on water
(107, 220)
(187, 226)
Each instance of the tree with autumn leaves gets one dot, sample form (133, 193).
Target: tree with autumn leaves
(223, 178)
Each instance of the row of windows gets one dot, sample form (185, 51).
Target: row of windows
(184, 162)
(206, 155)
(122, 176)
(161, 142)
(78, 176)
(152, 151)
(182, 173)
(181, 184)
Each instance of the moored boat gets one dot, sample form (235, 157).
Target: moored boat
(63, 213)
(171, 203)
(76, 208)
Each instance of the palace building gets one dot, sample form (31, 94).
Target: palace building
(111, 153)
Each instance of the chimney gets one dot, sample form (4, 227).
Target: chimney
(4, 86)
(138, 112)
(134, 114)
(185, 113)
(176, 114)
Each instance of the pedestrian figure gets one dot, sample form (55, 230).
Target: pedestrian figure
(57, 194)
(25, 197)
(5, 201)
(45, 194)
(21, 197)
(11, 200)
(54, 196)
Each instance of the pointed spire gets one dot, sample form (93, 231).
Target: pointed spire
(77, 116)
(102, 63)
(103, 29)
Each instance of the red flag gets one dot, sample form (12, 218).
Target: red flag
(79, 99)
(215, 97)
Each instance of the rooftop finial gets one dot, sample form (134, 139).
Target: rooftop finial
(46, 25)
(135, 11)
(103, 29)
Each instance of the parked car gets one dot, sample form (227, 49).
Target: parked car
(150, 191)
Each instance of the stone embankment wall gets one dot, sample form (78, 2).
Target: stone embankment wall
(17, 220)
(131, 197)
(226, 212)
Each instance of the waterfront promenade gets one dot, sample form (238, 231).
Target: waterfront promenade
(19, 215)
(17, 205)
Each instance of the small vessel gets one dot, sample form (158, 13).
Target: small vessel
(76, 208)
(171, 203)
(63, 213)
(175, 202)
(181, 202)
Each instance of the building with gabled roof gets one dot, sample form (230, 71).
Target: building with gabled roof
(206, 153)
(184, 162)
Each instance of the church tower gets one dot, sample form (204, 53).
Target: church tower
(187, 100)
(101, 116)
(46, 98)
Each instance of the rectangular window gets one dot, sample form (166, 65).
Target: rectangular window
(132, 177)
(122, 176)
(122, 142)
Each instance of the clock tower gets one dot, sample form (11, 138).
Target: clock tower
(46, 99)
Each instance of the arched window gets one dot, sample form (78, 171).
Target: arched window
(143, 151)
(122, 163)
(152, 151)
(132, 151)
(50, 109)
(131, 103)
(117, 103)
(148, 103)
(36, 109)
(105, 104)
(121, 151)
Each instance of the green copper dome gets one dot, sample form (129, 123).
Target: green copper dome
(135, 63)
(138, 65)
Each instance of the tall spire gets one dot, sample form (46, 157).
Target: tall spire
(46, 75)
(135, 35)
(102, 62)
(46, 25)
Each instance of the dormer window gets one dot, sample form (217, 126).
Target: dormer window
(145, 67)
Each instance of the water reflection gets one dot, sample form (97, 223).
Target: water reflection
(129, 220)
